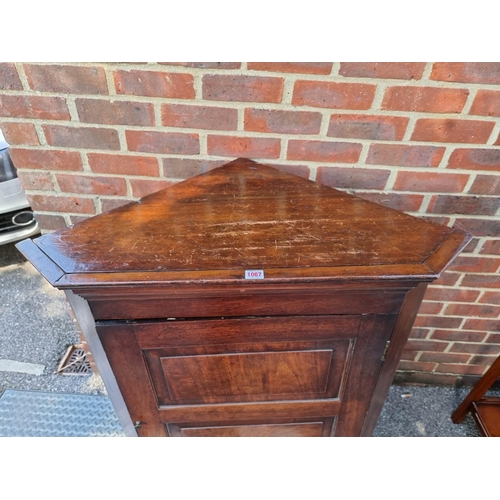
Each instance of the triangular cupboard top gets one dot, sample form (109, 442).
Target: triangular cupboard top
(245, 216)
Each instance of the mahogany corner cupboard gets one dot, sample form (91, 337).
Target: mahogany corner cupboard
(247, 302)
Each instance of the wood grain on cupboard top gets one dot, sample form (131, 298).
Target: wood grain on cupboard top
(244, 216)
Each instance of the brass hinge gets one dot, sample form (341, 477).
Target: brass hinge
(387, 344)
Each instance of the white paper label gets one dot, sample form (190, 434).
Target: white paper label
(254, 274)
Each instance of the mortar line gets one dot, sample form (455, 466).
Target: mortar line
(409, 129)
(426, 74)
(495, 133)
(241, 120)
(468, 103)
(288, 86)
(73, 111)
(335, 70)
(378, 98)
(425, 204)
(110, 81)
(203, 140)
(22, 76)
(198, 87)
(446, 157)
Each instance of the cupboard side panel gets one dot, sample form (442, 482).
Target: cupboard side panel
(132, 376)
(400, 334)
(375, 331)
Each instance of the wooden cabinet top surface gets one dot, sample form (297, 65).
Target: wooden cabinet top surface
(245, 216)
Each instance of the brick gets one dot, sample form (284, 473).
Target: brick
(115, 113)
(491, 247)
(9, 79)
(490, 349)
(403, 155)
(480, 227)
(36, 180)
(409, 355)
(425, 345)
(36, 107)
(205, 65)
(489, 325)
(445, 221)
(333, 94)
(313, 68)
(184, 168)
(398, 70)
(471, 246)
(482, 360)
(437, 321)
(451, 294)
(46, 159)
(475, 159)
(497, 142)
(448, 279)
(242, 88)
(490, 298)
(352, 178)
(20, 133)
(494, 338)
(475, 72)
(475, 264)
(282, 122)
(385, 128)
(419, 333)
(143, 187)
(75, 219)
(201, 117)
(257, 147)
(444, 357)
(67, 79)
(50, 222)
(403, 202)
(452, 130)
(430, 308)
(460, 369)
(425, 99)
(338, 152)
(469, 205)
(460, 335)
(300, 170)
(154, 84)
(81, 138)
(430, 182)
(108, 204)
(484, 311)
(162, 142)
(64, 204)
(91, 184)
(486, 184)
(423, 378)
(123, 164)
(416, 366)
(481, 281)
(486, 103)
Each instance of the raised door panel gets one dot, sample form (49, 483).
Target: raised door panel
(321, 427)
(271, 371)
(250, 374)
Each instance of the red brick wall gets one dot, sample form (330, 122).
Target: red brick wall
(419, 137)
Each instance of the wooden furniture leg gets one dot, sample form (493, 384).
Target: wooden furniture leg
(485, 382)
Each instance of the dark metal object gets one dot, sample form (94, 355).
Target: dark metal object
(75, 362)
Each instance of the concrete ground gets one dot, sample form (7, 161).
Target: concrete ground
(36, 330)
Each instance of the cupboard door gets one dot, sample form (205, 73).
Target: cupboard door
(251, 371)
